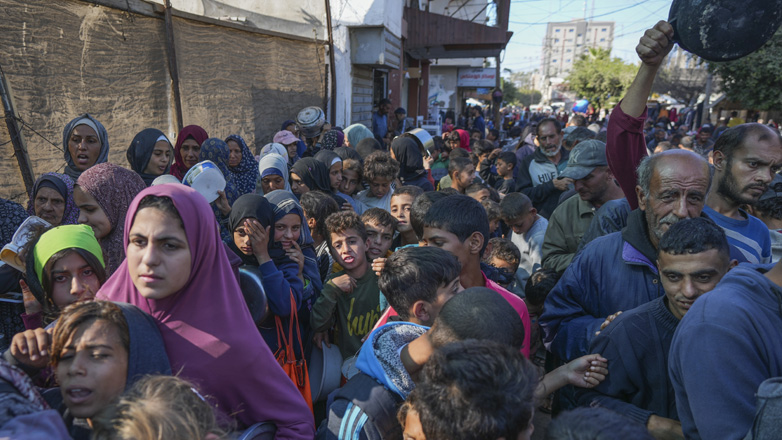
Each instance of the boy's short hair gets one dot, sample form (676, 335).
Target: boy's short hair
(340, 222)
(483, 146)
(318, 205)
(538, 286)
(379, 216)
(419, 209)
(448, 191)
(478, 313)
(457, 164)
(380, 164)
(414, 274)
(355, 166)
(515, 205)
(475, 187)
(495, 132)
(693, 236)
(458, 152)
(492, 210)
(505, 250)
(476, 390)
(459, 215)
(506, 156)
(408, 190)
(595, 423)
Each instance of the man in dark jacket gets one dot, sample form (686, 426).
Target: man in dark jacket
(539, 173)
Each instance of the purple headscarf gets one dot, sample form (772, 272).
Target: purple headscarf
(207, 329)
(113, 187)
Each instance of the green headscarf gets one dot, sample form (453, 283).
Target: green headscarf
(65, 237)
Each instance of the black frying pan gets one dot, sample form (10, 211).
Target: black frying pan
(724, 30)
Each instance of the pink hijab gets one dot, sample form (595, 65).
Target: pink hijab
(207, 329)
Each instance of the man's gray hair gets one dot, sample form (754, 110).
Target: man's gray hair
(646, 170)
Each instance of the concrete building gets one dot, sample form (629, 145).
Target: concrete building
(563, 44)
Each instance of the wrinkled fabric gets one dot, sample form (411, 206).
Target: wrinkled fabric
(216, 150)
(356, 133)
(313, 173)
(332, 139)
(245, 175)
(410, 160)
(113, 187)
(191, 131)
(12, 215)
(207, 329)
(140, 152)
(103, 136)
(70, 215)
(276, 148)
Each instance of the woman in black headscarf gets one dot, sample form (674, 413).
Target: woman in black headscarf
(309, 174)
(411, 163)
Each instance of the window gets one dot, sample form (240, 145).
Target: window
(579, 35)
(556, 30)
(556, 40)
(570, 30)
(554, 60)
(602, 39)
(570, 50)
(603, 30)
(567, 60)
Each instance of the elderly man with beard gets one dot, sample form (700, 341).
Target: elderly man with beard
(539, 173)
(617, 272)
(746, 159)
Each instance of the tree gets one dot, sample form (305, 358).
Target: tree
(598, 77)
(755, 80)
(524, 97)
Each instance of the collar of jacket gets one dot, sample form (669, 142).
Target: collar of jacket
(637, 247)
(538, 156)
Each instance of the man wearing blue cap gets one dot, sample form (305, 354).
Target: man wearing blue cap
(595, 185)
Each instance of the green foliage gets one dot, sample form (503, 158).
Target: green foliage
(598, 77)
(514, 95)
(755, 80)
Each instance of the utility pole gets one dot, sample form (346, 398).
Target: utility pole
(172, 66)
(20, 149)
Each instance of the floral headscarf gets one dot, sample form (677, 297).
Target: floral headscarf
(245, 175)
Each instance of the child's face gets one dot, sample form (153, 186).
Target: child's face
(444, 293)
(494, 224)
(335, 176)
(521, 224)
(450, 242)
(400, 209)
(298, 186)
(349, 182)
(413, 428)
(349, 249)
(287, 230)
(481, 195)
(379, 239)
(379, 186)
(503, 169)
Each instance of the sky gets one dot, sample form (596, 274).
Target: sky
(528, 19)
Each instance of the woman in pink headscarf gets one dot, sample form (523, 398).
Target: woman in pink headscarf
(177, 270)
(186, 150)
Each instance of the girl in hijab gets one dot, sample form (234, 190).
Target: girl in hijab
(411, 163)
(281, 269)
(99, 350)
(216, 150)
(273, 170)
(290, 226)
(186, 150)
(149, 154)
(241, 165)
(177, 270)
(52, 200)
(310, 174)
(334, 163)
(86, 143)
(63, 265)
(356, 133)
(103, 194)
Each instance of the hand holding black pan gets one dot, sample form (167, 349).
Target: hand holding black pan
(724, 30)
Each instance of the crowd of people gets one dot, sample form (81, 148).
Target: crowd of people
(622, 275)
